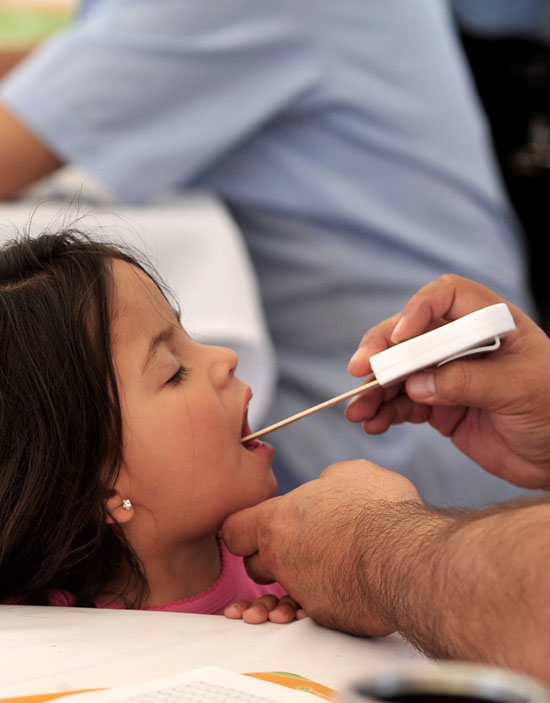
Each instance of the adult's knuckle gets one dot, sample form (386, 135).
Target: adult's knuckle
(448, 279)
(456, 382)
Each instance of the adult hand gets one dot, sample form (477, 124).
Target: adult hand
(495, 407)
(327, 544)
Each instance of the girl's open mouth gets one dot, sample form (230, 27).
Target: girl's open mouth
(253, 444)
(245, 430)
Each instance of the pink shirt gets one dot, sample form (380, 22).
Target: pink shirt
(232, 584)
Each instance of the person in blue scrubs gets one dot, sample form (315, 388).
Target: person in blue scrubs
(346, 140)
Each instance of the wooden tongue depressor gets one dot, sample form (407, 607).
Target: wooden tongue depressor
(475, 333)
(371, 382)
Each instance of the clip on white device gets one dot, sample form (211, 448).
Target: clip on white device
(480, 331)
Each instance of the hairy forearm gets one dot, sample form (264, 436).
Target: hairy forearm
(472, 586)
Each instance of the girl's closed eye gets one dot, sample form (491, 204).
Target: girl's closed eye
(178, 377)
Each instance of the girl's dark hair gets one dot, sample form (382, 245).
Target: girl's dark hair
(60, 423)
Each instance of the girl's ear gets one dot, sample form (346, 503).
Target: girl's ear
(119, 506)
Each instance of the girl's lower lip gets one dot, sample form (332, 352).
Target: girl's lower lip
(259, 447)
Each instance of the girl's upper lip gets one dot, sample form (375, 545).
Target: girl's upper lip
(245, 427)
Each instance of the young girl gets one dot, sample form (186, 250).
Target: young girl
(120, 442)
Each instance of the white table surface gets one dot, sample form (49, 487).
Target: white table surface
(48, 649)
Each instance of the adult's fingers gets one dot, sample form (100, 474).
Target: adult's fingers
(447, 298)
(479, 383)
(366, 405)
(260, 568)
(244, 532)
(240, 530)
(375, 340)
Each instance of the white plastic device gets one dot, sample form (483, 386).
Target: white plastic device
(480, 331)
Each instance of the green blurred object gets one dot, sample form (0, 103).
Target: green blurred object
(23, 25)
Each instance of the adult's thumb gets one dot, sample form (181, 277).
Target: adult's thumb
(469, 383)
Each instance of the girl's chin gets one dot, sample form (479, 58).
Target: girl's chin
(258, 498)
(267, 491)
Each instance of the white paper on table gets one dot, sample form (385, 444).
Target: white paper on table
(210, 684)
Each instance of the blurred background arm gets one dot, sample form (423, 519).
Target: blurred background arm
(23, 26)
(23, 156)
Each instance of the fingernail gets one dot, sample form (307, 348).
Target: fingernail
(397, 329)
(421, 386)
(355, 357)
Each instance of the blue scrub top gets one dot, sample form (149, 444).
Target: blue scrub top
(346, 139)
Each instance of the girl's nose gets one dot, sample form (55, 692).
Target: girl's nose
(224, 364)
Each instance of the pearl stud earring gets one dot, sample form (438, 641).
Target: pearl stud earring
(126, 504)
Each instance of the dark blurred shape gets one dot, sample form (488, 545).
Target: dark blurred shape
(512, 74)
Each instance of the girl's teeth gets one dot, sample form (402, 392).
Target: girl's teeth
(252, 444)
